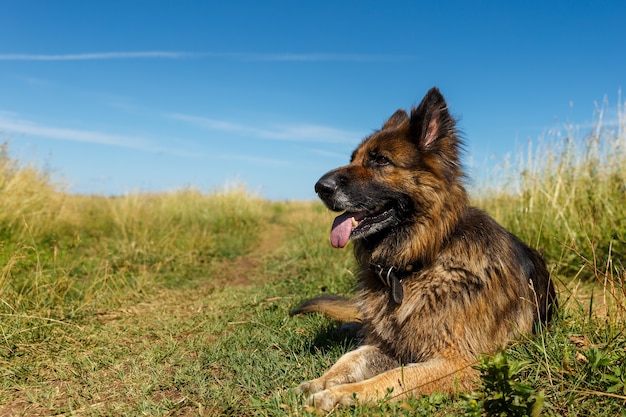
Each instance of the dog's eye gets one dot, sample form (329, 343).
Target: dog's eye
(377, 159)
(381, 160)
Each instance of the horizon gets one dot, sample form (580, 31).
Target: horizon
(115, 100)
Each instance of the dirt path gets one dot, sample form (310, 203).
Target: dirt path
(244, 270)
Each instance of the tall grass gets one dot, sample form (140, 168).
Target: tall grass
(567, 196)
(66, 256)
(30, 202)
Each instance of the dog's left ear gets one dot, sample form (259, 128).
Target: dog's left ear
(396, 120)
(431, 120)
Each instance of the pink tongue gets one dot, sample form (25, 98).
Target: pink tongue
(340, 232)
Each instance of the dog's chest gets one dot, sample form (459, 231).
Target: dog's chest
(405, 331)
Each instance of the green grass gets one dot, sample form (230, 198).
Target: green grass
(177, 303)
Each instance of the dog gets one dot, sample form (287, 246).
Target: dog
(439, 281)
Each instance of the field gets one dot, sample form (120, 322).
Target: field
(178, 303)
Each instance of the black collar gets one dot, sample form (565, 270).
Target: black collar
(392, 277)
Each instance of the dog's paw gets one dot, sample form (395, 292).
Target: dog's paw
(311, 387)
(320, 384)
(328, 399)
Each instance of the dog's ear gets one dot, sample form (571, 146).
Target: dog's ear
(397, 119)
(431, 120)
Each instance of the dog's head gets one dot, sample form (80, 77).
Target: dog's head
(395, 175)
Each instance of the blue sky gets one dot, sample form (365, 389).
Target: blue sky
(125, 96)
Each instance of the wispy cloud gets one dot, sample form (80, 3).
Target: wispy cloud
(309, 57)
(288, 132)
(36, 82)
(95, 56)
(255, 159)
(329, 154)
(233, 56)
(13, 123)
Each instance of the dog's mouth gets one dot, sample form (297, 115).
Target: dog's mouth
(359, 224)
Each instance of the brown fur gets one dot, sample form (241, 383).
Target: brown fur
(472, 286)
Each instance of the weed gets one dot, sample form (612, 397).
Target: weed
(501, 391)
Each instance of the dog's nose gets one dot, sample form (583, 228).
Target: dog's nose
(326, 186)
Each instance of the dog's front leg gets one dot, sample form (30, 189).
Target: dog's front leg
(360, 364)
(436, 375)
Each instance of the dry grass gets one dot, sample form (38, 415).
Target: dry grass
(567, 196)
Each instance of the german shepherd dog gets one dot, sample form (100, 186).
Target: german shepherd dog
(439, 282)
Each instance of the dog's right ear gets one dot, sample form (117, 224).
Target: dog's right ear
(433, 130)
(397, 119)
(431, 122)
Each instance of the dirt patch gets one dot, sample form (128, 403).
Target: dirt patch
(591, 298)
(244, 270)
(22, 407)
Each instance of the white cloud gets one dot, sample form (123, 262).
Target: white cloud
(94, 56)
(36, 82)
(13, 123)
(329, 154)
(310, 57)
(288, 132)
(255, 159)
(240, 56)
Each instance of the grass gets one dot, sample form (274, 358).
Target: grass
(567, 196)
(177, 303)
